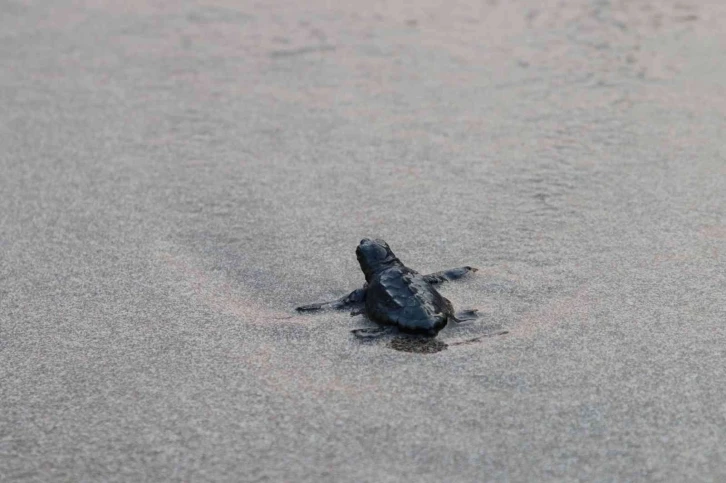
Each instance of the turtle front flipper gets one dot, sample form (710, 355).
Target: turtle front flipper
(448, 275)
(352, 299)
(465, 315)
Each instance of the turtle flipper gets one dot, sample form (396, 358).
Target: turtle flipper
(354, 298)
(372, 332)
(466, 315)
(446, 275)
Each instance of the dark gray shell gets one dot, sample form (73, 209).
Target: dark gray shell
(399, 296)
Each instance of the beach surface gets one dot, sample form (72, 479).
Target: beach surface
(177, 176)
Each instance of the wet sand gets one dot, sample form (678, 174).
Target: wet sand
(177, 176)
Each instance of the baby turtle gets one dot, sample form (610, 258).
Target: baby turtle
(397, 296)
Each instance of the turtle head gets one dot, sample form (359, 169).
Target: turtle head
(374, 255)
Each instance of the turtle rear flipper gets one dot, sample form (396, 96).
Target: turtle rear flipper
(372, 332)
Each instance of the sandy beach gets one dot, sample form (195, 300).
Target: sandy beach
(177, 176)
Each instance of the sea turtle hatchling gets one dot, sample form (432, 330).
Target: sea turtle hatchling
(397, 296)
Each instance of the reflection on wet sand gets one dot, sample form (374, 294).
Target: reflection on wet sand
(428, 345)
